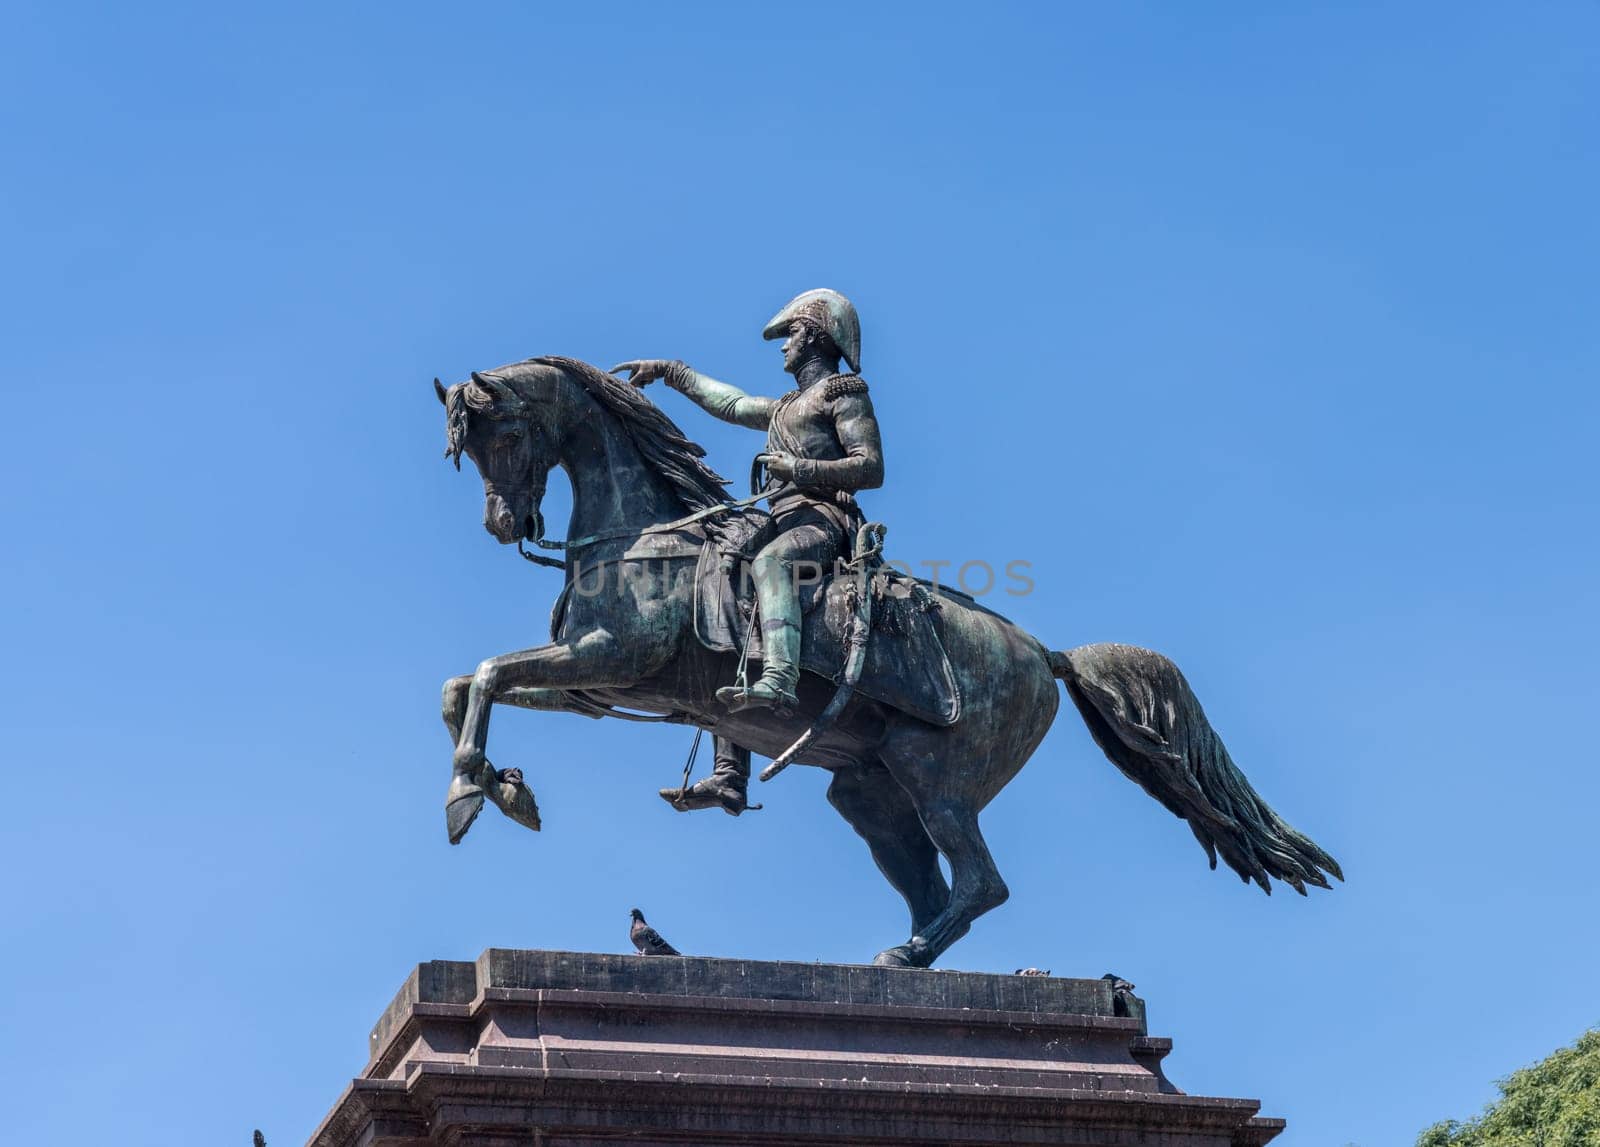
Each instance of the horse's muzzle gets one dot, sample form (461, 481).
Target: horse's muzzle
(502, 521)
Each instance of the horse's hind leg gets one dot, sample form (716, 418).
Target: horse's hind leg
(950, 817)
(873, 803)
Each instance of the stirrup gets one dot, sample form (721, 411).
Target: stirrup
(710, 792)
(760, 695)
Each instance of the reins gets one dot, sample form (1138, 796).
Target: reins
(545, 543)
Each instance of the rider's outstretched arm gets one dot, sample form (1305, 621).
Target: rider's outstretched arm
(728, 403)
(720, 399)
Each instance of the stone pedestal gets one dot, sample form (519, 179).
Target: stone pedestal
(566, 1048)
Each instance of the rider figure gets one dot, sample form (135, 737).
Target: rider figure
(822, 445)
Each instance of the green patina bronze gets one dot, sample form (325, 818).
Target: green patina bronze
(910, 774)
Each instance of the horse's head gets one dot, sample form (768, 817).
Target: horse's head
(630, 464)
(499, 428)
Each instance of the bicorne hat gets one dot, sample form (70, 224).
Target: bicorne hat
(830, 310)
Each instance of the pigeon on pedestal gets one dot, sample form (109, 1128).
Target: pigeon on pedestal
(646, 940)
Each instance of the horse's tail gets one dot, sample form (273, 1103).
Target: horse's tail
(1144, 716)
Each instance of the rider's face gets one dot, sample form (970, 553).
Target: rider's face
(794, 346)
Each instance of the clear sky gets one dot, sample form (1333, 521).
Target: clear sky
(1266, 333)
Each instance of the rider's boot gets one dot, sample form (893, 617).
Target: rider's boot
(780, 638)
(726, 788)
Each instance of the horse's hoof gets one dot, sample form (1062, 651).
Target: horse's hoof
(914, 953)
(514, 798)
(460, 812)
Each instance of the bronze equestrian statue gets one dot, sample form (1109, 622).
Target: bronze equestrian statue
(922, 703)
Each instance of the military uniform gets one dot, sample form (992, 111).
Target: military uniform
(826, 434)
(830, 431)
(825, 427)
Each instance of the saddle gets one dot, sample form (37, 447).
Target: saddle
(906, 665)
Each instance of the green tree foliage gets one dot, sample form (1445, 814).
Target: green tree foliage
(1555, 1103)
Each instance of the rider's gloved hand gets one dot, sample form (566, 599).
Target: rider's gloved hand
(643, 371)
(780, 466)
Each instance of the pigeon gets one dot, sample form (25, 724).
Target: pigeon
(1118, 984)
(646, 940)
(259, 1139)
(1033, 971)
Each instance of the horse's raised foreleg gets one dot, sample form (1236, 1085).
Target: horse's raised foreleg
(591, 662)
(874, 804)
(509, 792)
(534, 679)
(523, 697)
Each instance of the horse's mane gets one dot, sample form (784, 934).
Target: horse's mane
(658, 439)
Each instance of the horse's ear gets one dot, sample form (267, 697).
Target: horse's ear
(495, 389)
(438, 388)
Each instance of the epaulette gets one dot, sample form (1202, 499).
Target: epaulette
(842, 384)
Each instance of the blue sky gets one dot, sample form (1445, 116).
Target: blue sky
(1265, 333)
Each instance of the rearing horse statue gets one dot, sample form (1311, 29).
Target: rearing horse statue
(643, 504)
